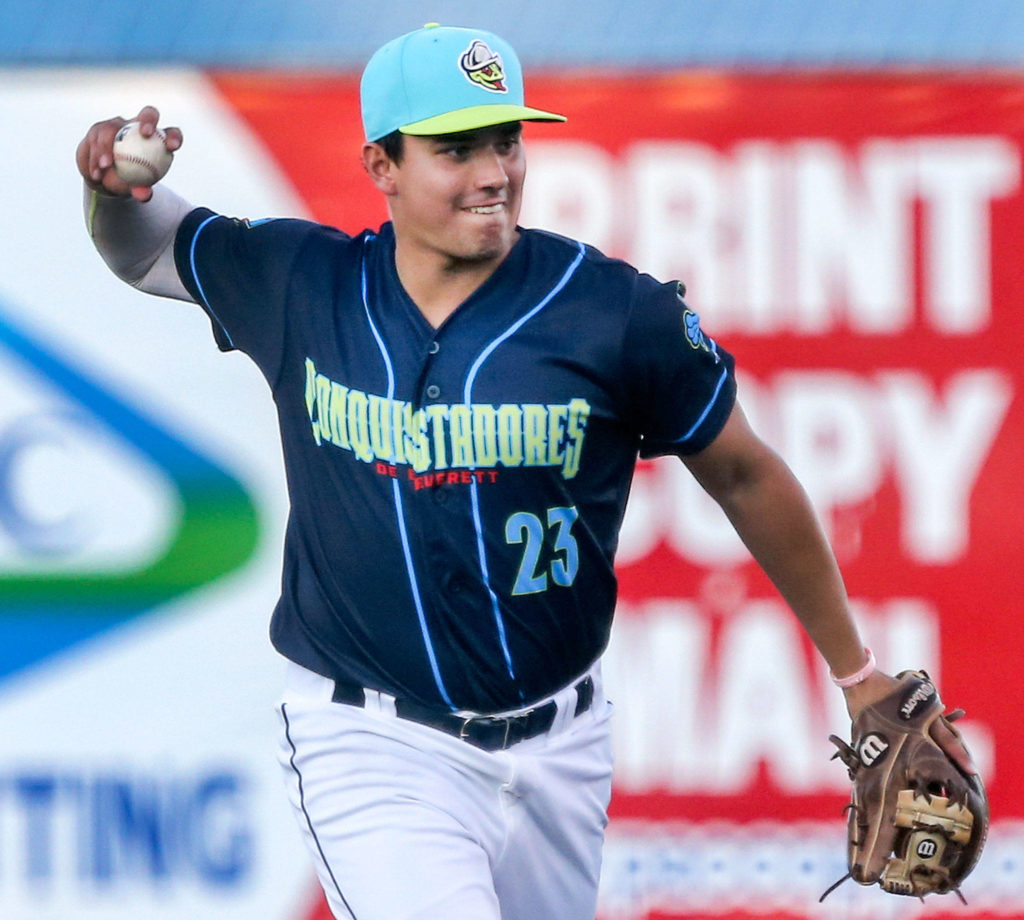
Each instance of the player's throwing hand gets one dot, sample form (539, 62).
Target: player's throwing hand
(95, 154)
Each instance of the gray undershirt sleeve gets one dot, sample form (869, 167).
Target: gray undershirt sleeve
(136, 239)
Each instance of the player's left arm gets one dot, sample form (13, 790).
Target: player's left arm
(772, 514)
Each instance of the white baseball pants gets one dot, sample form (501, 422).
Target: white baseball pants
(406, 822)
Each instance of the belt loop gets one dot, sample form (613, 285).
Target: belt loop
(386, 704)
(584, 695)
(379, 703)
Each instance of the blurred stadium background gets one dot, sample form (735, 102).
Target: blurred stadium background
(616, 33)
(840, 186)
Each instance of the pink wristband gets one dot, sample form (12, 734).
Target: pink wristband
(858, 677)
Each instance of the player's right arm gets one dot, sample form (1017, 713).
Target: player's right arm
(133, 228)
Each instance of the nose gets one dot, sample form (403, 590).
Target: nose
(490, 170)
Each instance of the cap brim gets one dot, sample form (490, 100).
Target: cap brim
(477, 116)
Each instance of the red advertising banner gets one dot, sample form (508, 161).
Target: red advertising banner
(857, 241)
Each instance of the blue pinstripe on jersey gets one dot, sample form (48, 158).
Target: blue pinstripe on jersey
(707, 409)
(199, 284)
(399, 507)
(474, 491)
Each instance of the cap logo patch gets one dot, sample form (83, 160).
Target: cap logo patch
(484, 67)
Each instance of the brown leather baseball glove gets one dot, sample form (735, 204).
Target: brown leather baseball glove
(916, 822)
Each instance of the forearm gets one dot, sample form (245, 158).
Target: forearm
(774, 517)
(136, 239)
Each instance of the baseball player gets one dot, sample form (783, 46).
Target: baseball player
(461, 404)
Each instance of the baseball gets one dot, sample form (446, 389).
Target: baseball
(140, 160)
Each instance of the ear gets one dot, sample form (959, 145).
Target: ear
(379, 167)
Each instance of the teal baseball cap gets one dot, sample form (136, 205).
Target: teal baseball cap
(442, 80)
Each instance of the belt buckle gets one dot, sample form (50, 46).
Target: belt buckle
(506, 722)
(469, 720)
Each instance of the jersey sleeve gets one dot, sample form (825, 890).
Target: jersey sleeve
(238, 271)
(681, 382)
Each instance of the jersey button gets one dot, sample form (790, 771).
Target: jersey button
(434, 348)
(433, 391)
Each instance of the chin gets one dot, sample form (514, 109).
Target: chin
(494, 245)
(497, 250)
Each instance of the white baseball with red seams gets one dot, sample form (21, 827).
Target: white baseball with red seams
(140, 160)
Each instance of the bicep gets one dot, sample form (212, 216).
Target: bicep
(736, 459)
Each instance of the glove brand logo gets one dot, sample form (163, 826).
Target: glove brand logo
(927, 848)
(923, 693)
(873, 749)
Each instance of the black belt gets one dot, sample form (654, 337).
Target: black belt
(492, 733)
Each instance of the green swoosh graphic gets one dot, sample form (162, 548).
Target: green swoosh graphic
(217, 533)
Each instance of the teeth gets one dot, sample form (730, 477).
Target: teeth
(488, 209)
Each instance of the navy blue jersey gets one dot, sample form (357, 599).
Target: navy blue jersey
(456, 493)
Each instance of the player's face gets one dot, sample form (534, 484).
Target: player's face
(459, 195)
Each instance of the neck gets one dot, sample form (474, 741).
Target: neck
(438, 283)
